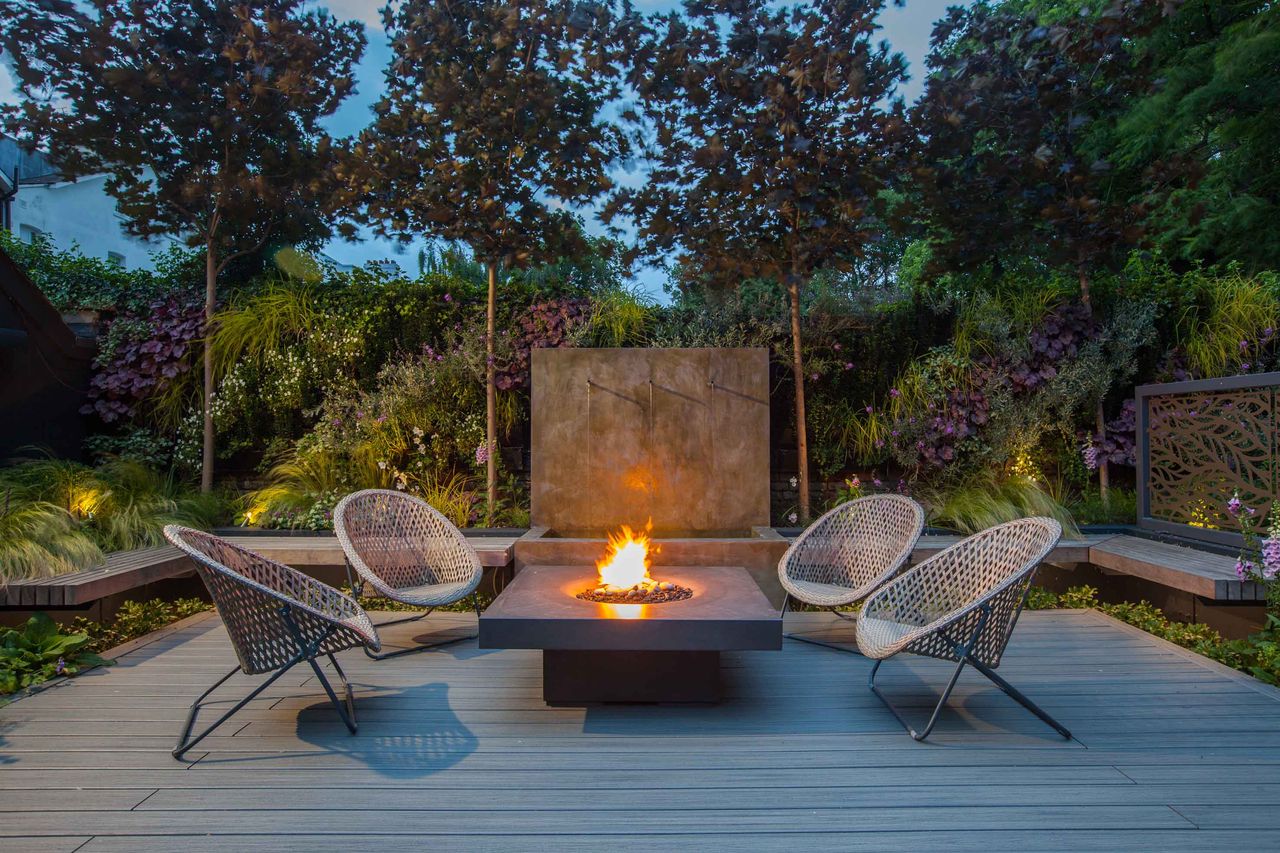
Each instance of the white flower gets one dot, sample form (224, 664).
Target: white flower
(794, 483)
(382, 466)
(793, 518)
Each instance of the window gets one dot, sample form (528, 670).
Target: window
(29, 234)
(115, 258)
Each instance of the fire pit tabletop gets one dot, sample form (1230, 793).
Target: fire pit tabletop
(539, 610)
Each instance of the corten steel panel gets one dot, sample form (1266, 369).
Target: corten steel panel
(676, 436)
(1200, 442)
(539, 610)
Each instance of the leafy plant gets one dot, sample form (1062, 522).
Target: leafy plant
(60, 516)
(40, 539)
(139, 366)
(992, 499)
(39, 651)
(510, 99)
(137, 618)
(774, 131)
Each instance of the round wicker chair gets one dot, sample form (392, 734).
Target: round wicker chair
(850, 551)
(960, 605)
(408, 552)
(276, 618)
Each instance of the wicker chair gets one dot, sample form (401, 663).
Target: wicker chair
(408, 552)
(849, 552)
(276, 617)
(960, 605)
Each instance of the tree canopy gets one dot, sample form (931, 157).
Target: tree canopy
(773, 130)
(204, 114)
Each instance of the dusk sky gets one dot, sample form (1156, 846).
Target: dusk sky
(906, 28)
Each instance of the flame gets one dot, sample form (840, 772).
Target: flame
(626, 562)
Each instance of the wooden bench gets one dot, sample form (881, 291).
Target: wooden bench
(126, 570)
(1208, 575)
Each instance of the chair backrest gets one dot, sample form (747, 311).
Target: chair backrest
(252, 593)
(994, 567)
(400, 541)
(858, 544)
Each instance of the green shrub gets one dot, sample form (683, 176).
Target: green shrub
(39, 651)
(59, 516)
(991, 499)
(138, 618)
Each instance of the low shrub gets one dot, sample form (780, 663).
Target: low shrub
(39, 651)
(58, 516)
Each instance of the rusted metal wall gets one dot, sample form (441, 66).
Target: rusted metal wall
(1201, 441)
(679, 436)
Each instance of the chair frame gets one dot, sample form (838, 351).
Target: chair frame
(985, 626)
(834, 516)
(330, 633)
(359, 572)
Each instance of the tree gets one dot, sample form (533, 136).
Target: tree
(493, 119)
(1013, 130)
(1206, 137)
(773, 130)
(204, 114)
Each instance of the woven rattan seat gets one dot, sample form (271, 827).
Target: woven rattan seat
(960, 605)
(851, 550)
(276, 618)
(407, 551)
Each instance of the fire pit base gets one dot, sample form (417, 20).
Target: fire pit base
(584, 677)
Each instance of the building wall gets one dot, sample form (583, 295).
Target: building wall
(81, 214)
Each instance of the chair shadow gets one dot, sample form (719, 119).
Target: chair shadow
(431, 741)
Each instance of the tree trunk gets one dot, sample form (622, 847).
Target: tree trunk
(491, 397)
(1100, 418)
(210, 305)
(797, 372)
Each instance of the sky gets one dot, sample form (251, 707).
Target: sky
(907, 28)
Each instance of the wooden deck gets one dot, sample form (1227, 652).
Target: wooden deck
(457, 752)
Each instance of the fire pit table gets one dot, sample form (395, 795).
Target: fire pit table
(663, 652)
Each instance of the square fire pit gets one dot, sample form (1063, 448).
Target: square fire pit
(668, 652)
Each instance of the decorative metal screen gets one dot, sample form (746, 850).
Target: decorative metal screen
(1198, 443)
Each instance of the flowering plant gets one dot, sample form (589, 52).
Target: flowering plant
(1259, 560)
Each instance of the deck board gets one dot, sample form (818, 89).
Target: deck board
(456, 751)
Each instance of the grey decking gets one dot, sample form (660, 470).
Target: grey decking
(457, 752)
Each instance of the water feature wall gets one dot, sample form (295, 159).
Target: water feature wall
(678, 436)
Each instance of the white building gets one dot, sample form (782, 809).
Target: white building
(35, 200)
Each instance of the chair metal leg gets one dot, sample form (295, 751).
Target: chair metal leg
(933, 718)
(834, 646)
(404, 619)
(185, 741)
(846, 649)
(346, 686)
(347, 719)
(309, 653)
(475, 603)
(964, 654)
(1017, 695)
